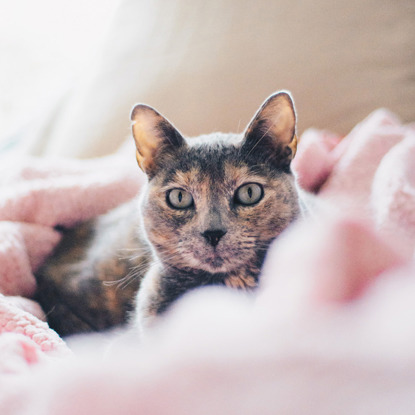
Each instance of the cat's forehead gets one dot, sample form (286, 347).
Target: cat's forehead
(207, 157)
(213, 158)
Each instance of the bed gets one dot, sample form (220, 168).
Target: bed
(331, 328)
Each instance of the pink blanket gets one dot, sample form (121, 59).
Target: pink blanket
(330, 331)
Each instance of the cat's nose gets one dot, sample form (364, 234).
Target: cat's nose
(213, 236)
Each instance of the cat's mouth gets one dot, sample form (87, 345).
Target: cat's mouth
(224, 257)
(216, 262)
(213, 260)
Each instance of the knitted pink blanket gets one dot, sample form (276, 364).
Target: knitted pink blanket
(330, 331)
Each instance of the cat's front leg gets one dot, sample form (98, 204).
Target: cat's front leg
(161, 287)
(148, 298)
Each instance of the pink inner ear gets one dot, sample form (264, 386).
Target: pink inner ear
(146, 136)
(152, 134)
(280, 116)
(276, 120)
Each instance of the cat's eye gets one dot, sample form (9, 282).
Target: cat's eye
(179, 199)
(249, 194)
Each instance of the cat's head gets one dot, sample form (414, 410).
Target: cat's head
(214, 203)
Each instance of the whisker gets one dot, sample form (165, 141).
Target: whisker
(260, 139)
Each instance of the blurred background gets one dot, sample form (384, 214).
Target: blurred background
(44, 47)
(70, 70)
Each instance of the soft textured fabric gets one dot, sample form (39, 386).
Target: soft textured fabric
(329, 331)
(38, 194)
(35, 196)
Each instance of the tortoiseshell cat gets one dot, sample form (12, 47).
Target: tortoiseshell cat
(211, 207)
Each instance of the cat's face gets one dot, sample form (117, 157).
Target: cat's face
(214, 209)
(215, 203)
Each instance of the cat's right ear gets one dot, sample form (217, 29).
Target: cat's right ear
(271, 133)
(154, 137)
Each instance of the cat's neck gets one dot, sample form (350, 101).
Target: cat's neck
(174, 282)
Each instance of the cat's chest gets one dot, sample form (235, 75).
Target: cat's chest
(162, 286)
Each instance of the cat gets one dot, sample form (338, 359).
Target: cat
(207, 215)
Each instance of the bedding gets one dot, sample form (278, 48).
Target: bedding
(331, 329)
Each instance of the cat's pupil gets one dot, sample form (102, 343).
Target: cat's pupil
(180, 197)
(250, 192)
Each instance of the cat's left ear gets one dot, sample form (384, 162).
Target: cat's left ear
(271, 133)
(155, 138)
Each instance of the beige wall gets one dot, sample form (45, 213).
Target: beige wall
(207, 65)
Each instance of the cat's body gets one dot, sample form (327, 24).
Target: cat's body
(211, 207)
(90, 282)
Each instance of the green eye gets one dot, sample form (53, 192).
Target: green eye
(249, 194)
(179, 199)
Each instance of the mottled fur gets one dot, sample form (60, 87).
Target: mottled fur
(211, 169)
(90, 282)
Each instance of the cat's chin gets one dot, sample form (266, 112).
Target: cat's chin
(214, 263)
(215, 267)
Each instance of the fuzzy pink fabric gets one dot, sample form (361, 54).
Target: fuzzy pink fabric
(330, 331)
(35, 196)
